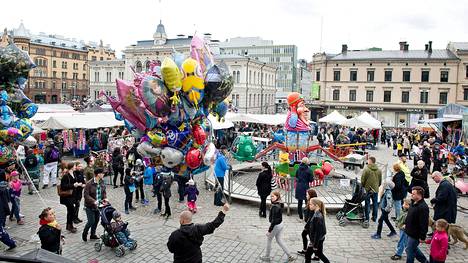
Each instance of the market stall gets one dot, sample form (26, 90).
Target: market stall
(334, 118)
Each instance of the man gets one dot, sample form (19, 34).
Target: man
(445, 200)
(185, 242)
(303, 178)
(221, 166)
(416, 224)
(94, 197)
(371, 179)
(51, 161)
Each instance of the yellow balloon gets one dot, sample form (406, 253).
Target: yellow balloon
(171, 75)
(192, 84)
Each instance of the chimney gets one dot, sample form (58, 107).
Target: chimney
(406, 48)
(426, 47)
(344, 48)
(430, 47)
(402, 45)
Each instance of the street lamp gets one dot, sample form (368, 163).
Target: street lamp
(247, 75)
(261, 87)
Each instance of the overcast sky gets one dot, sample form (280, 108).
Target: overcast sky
(359, 23)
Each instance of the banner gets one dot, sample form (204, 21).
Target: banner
(315, 93)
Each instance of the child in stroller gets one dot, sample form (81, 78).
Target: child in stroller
(116, 235)
(353, 209)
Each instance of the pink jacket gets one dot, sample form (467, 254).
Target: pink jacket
(439, 245)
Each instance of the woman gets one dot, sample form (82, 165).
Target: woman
(79, 176)
(399, 191)
(317, 231)
(264, 187)
(276, 227)
(50, 231)
(89, 169)
(386, 205)
(308, 214)
(419, 177)
(303, 178)
(117, 166)
(68, 182)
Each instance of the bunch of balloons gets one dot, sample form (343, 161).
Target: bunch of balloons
(167, 108)
(15, 108)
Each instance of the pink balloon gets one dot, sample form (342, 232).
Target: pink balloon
(326, 168)
(200, 51)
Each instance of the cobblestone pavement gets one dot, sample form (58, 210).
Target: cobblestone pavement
(240, 239)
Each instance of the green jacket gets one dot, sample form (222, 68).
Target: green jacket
(400, 222)
(371, 178)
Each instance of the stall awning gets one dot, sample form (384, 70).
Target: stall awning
(269, 119)
(81, 121)
(440, 120)
(335, 118)
(219, 125)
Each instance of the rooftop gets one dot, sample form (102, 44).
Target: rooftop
(436, 54)
(176, 42)
(458, 46)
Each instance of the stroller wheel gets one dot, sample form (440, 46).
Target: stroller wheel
(342, 222)
(365, 224)
(134, 245)
(339, 215)
(98, 246)
(120, 251)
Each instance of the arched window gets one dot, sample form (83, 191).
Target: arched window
(255, 79)
(138, 66)
(147, 67)
(234, 76)
(238, 76)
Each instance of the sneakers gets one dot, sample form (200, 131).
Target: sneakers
(373, 219)
(54, 185)
(395, 257)
(376, 236)
(11, 248)
(93, 237)
(84, 236)
(126, 212)
(20, 222)
(392, 234)
(301, 252)
(156, 211)
(291, 258)
(145, 201)
(133, 208)
(45, 186)
(265, 258)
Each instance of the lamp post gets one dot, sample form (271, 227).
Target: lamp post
(247, 75)
(261, 87)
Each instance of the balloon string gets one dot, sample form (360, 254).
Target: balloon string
(30, 180)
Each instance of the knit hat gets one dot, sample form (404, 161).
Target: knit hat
(115, 214)
(191, 182)
(305, 160)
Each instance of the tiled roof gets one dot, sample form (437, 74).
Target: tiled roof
(395, 55)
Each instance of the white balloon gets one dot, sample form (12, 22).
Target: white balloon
(30, 141)
(171, 157)
(145, 149)
(210, 154)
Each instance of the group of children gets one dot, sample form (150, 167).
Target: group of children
(142, 178)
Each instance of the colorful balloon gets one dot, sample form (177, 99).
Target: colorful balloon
(221, 110)
(7, 153)
(319, 173)
(171, 157)
(199, 134)
(194, 158)
(192, 83)
(176, 138)
(157, 138)
(200, 51)
(25, 126)
(326, 168)
(171, 75)
(209, 157)
(146, 149)
(218, 83)
(154, 96)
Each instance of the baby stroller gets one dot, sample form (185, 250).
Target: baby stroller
(108, 238)
(353, 209)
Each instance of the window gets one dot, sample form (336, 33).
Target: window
(40, 51)
(64, 64)
(369, 95)
(336, 94)
(139, 67)
(84, 76)
(109, 76)
(405, 97)
(387, 96)
(466, 71)
(237, 78)
(250, 100)
(388, 75)
(75, 56)
(444, 76)
(406, 75)
(54, 64)
(424, 96)
(336, 75)
(64, 75)
(75, 76)
(147, 66)
(53, 85)
(352, 95)
(64, 85)
(75, 66)
(317, 76)
(54, 74)
(425, 76)
(93, 58)
(370, 75)
(443, 98)
(465, 94)
(96, 76)
(84, 66)
(353, 75)
(101, 58)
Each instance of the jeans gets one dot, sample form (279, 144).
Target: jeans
(397, 205)
(181, 189)
(93, 219)
(300, 211)
(77, 209)
(118, 171)
(384, 217)
(412, 251)
(70, 205)
(5, 238)
(318, 253)
(128, 199)
(375, 205)
(139, 191)
(221, 182)
(277, 234)
(166, 206)
(304, 235)
(15, 208)
(159, 198)
(401, 243)
(262, 211)
(124, 238)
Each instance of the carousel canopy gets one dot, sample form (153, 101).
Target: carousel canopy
(269, 119)
(90, 120)
(335, 118)
(217, 125)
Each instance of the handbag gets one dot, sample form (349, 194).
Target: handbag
(64, 193)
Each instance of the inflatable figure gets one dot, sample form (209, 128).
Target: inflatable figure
(244, 148)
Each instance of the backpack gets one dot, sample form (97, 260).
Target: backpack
(54, 154)
(389, 201)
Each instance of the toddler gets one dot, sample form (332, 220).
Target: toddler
(15, 193)
(439, 242)
(191, 192)
(400, 222)
(121, 231)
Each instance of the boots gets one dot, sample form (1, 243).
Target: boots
(71, 228)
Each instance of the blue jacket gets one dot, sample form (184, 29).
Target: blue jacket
(148, 176)
(221, 166)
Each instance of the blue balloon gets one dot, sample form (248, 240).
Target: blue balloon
(176, 138)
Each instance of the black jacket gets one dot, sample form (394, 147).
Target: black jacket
(117, 162)
(419, 178)
(308, 215)
(276, 215)
(66, 184)
(317, 229)
(4, 199)
(399, 191)
(30, 163)
(417, 220)
(50, 238)
(48, 154)
(264, 183)
(303, 178)
(79, 178)
(185, 242)
(445, 202)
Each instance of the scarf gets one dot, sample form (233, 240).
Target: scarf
(45, 222)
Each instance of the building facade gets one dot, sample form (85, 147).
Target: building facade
(102, 76)
(254, 83)
(398, 87)
(282, 57)
(100, 52)
(460, 49)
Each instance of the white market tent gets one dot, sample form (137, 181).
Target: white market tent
(335, 118)
(90, 120)
(216, 125)
(269, 119)
(365, 121)
(45, 111)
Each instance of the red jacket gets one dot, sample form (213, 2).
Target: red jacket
(439, 245)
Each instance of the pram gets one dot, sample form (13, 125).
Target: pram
(108, 238)
(353, 209)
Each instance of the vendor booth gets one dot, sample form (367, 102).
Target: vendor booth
(333, 118)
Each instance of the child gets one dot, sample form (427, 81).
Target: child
(400, 222)
(439, 242)
(386, 205)
(317, 231)
(166, 192)
(15, 193)
(121, 231)
(31, 163)
(139, 169)
(157, 183)
(129, 188)
(191, 192)
(148, 180)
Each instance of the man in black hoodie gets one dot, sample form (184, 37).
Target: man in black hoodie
(185, 242)
(416, 225)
